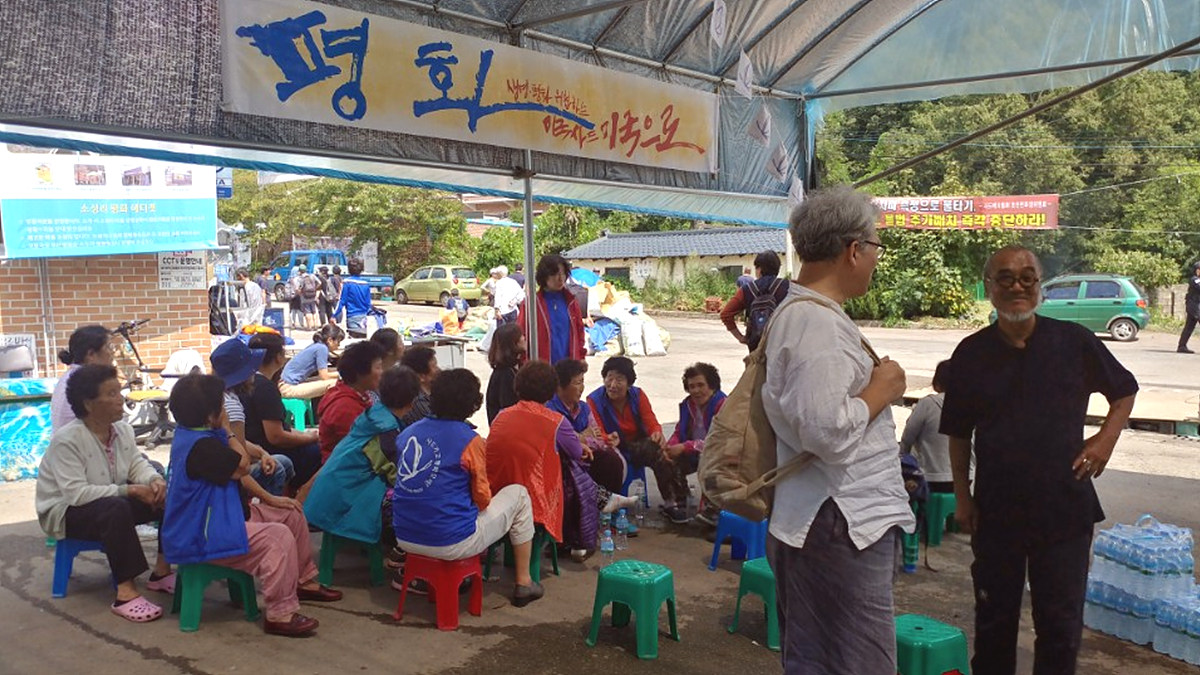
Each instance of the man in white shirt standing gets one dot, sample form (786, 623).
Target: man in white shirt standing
(509, 296)
(834, 524)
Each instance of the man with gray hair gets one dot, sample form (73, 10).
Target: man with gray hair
(832, 540)
(1021, 387)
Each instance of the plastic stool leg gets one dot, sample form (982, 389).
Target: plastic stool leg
(327, 557)
(737, 550)
(193, 599)
(446, 601)
(737, 608)
(620, 614)
(403, 594)
(671, 618)
(64, 562)
(597, 614)
(375, 559)
(476, 606)
(647, 630)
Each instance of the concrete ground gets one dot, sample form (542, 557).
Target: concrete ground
(1149, 473)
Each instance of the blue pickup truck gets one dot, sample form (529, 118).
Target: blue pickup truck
(282, 266)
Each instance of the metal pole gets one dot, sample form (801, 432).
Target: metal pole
(49, 343)
(1149, 61)
(531, 308)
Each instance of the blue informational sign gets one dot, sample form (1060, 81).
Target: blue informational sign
(224, 183)
(77, 205)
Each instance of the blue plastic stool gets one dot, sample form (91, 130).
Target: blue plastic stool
(749, 538)
(636, 473)
(65, 551)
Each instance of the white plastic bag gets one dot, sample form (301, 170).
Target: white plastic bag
(651, 338)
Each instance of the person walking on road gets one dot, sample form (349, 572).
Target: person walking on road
(1020, 387)
(1191, 303)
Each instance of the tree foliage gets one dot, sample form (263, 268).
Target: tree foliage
(410, 226)
(1124, 157)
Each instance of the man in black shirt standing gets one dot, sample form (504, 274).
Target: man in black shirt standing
(1191, 303)
(1021, 386)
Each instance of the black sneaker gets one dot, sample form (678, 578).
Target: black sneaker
(1185, 350)
(676, 514)
(417, 586)
(395, 558)
(523, 595)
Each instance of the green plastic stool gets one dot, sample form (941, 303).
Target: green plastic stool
(757, 578)
(938, 508)
(640, 588)
(331, 543)
(190, 582)
(541, 538)
(925, 646)
(301, 411)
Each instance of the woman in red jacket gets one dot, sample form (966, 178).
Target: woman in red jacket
(559, 321)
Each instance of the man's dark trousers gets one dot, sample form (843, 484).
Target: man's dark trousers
(1057, 582)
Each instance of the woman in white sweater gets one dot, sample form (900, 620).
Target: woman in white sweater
(93, 484)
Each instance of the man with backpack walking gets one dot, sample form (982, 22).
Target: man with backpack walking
(834, 522)
(757, 299)
(308, 288)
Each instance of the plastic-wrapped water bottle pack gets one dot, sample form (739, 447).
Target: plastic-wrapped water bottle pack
(1141, 587)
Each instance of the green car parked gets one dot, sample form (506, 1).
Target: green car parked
(1104, 303)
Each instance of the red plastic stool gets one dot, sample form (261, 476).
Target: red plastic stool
(444, 577)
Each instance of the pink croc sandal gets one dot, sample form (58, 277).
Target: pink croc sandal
(138, 610)
(164, 585)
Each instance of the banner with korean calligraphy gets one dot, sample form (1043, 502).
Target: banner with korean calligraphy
(55, 205)
(1021, 212)
(307, 61)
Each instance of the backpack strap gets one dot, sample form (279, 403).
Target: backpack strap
(804, 459)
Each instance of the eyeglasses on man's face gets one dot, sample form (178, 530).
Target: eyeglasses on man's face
(879, 247)
(1026, 279)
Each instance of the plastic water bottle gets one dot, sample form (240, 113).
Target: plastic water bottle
(622, 540)
(1091, 611)
(637, 490)
(1191, 650)
(605, 523)
(607, 549)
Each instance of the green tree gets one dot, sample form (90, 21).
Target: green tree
(499, 246)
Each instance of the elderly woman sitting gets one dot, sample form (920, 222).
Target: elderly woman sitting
(442, 504)
(94, 484)
(604, 463)
(531, 445)
(625, 410)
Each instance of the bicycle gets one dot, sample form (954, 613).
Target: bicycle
(138, 394)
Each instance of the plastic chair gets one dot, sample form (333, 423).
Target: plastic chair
(749, 538)
(925, 646)
(331, 543)
(301, 411)
(938, 508)
(635, 587)
(65, 551)
(757, 578)
(541, 538)
(444, 578)
(190, 582)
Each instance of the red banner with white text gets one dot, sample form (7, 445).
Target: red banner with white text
(1020, 212)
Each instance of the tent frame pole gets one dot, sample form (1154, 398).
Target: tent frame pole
(526, 174)
(1140, 65)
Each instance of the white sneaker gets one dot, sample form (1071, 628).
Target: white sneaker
(617, 502)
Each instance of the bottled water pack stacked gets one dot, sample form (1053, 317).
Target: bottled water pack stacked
(1141, 587)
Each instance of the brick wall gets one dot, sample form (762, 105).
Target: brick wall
(104, 290)
(1169, 300)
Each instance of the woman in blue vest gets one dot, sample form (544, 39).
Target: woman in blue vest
(624, 410)
(208, 521)
(443, 506)
(702, 382)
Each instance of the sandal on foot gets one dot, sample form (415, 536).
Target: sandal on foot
(138, 610)
(164, 584)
